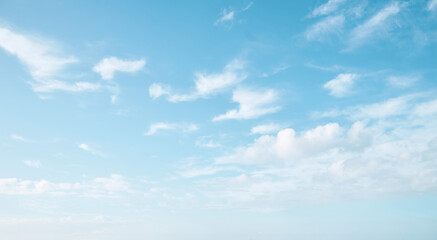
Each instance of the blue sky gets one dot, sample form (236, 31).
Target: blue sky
(218, 120)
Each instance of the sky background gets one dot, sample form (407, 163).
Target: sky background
(218, 120)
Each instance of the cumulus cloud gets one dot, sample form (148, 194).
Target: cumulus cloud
(341, 86)
(359, 159)
(43, 60)
(156, 127)
(265, 128)
(377, 24)
(327, 26)
(252, 104)
(108, 66)
(327, 8)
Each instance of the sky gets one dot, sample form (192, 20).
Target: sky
(245, 120)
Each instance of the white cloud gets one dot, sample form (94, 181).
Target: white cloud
(327, 8)
(108, 66)
(341, 86)
(206, 84)
(432, 5)
(32, 163)
(377, 24)
(156, 90)
(112, 184)
(97, 187)
(156, 127)
(207, 143)
(286, 145)
(361, 159)
(56, 85)
(392, 107)
(329, 25)
(426, 108)
(42, 59)
(205, 171)
(14, 186)
(19, 138)
(252, 104)
(226, 16)
(264, 129)
(87, 148)
(247, 7)
(402, 81)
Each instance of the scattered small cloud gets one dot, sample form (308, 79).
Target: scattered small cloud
(156, 90)
(341, 86)
(156, 127)
(32, 163)
(265, 128)
(205, 84)
(93, 151)
(19, 138)
(252, 104)
(327, 8)
(205, 142)
(108, 66)
(226, 16)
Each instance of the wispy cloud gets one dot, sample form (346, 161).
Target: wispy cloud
(341, 86)
(205, 171)
(265, 128)
(97, 187)
(93, 151)
(43, 60)
(108, 66)
(252, 104)
(207, 143)
(327, 8)
(17, 137)
(377, 24)
(226, 16)
(156, 127)
(432, 5)
(33, 163)
(327, 26)
(402, 81)
(205, 84)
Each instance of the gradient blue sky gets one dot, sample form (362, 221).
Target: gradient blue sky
(218, 120)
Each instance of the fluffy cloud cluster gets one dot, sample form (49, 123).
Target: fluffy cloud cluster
(379, 153)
